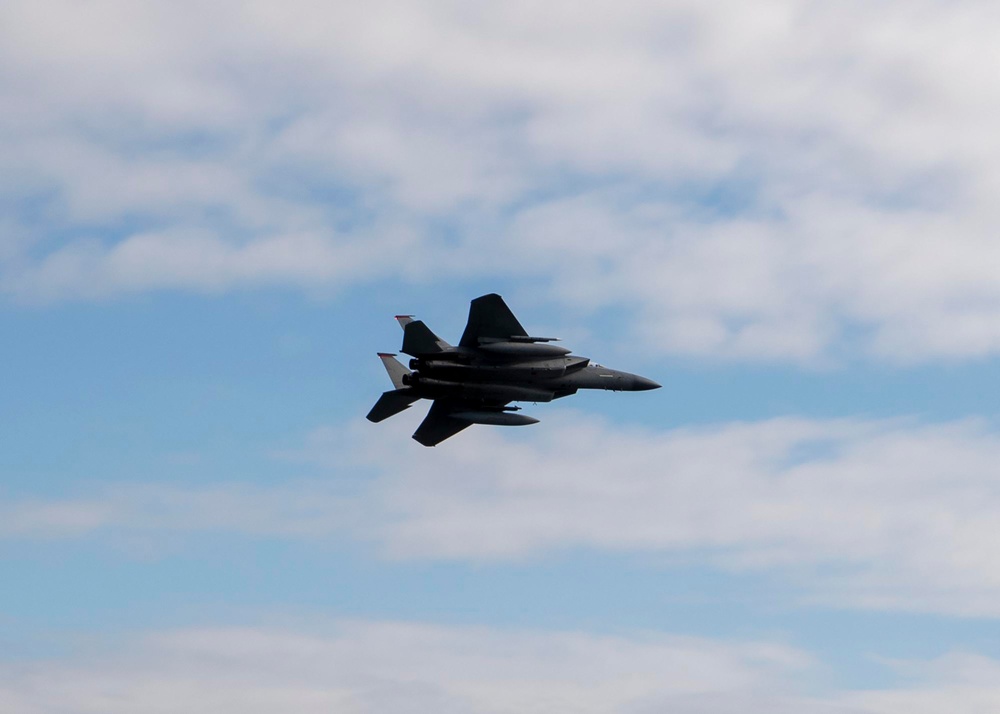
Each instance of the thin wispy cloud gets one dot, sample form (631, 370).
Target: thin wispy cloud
(864, 514)
(374, 666)
(873, 515)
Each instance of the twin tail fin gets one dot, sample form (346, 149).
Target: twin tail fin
(400, 398)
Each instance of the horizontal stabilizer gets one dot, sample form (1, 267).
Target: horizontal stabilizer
(392, 403)
(395, 369)
(418, 340)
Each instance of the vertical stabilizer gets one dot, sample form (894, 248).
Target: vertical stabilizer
(490, 319)
(419, 340)
(397, 400)
(395, 369)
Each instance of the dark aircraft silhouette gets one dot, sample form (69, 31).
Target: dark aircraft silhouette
(494, 364)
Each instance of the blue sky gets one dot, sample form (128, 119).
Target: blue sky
(781, 212)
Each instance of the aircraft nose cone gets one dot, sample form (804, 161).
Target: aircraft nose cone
(641, 384)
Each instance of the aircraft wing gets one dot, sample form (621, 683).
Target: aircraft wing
(490, 317)
(438, 425)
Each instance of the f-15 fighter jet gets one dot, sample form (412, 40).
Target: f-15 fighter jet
(494, 364)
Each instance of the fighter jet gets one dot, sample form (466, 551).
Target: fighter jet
(495, 363)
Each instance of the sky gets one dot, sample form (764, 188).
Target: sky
(782, 211)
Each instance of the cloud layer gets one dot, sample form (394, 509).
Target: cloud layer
(786, 181)
(876, 514)
(371, 666)
(893, 515)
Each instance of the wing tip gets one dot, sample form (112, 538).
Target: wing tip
(420, 439)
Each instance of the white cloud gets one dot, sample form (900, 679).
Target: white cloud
(373, 666)
(882, 515)
(852, 145)
(202, 262)
(898, 515)
(389, 666)
(308, 510)
(955, 682)
(51, 519)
